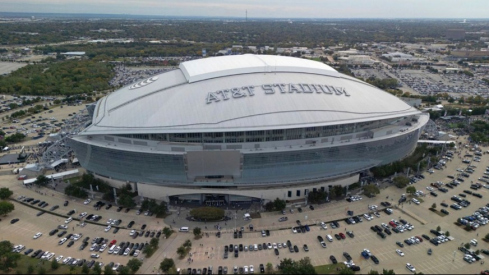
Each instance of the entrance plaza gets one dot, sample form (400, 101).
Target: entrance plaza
(446, 258)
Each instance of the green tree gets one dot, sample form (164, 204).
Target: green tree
(467, 245)
(187, 244)
(181, 251)
(279, 204)
(411, 190)
(438, 228)
(167, 231)
(197, 232)
(6, 207)
(388, 272)
(487, 236)
(134, 264)
(41, 180)
(108, 270)
(317, 196)
(337, 191)
(373, 272)
(269, 268)
(447, 234)
(269, 206)
(401, 181)
(41, 270)
(166, 264)
(30, 269)
(370, 190)
(8, 259)
(126, 201)
(97, 270)
(5, 193)
(85, 269)
(124, 270)
(303, 266)
(54, 264)
(433, 205)
(346, 271)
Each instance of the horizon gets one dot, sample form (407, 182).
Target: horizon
(272, 9)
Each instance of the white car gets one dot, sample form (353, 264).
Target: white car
(66, 260)
(50, 256)
(116, 266)
(415, 201)
(68, 220)
(44, 255)
(136, 253)
(323, 225)
(109, 221)
(274, 245)
(245, 269)
(377, 214)
(83, 214)
(108, 228)
(329, 238)
(76, 237)
(132, 232)
(104, 246)
(398, 251)
(429, 188)
(252, 269)
(59, 258)
(126, 252)
(294, 230)
(62, 226)
(87, 201)
(410, 267)
(62, 241)
(269, 246)
(38, 234)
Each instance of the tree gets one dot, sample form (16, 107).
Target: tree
(467, 245)
(279, 204)
(373, 272)
(317, 196)
(41, 180)
(54, 264)
(85, 269)
(97, 270)
(438, 228)
(134, 264)
(167, 231)
(166, 264)
(8, 259)
(41, 270)
(433, 205)
(370, 190)
(346, 271)
(337, 191)
(487, 236)
(5, 193)
(124, 270)
(30, 269)
(187, 244)
(269, 206)
(126, 201)
(197, 232)
(303, 266)
(401, 181)
(388, 272)
(181, 251)
(6, 207)
(269, 268)
(108, 270)
(411, 190)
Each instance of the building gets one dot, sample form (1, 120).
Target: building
(245, 128)
(455, 34)
(404, 58)
(362, 60)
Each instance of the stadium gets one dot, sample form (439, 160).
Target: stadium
(246, 128)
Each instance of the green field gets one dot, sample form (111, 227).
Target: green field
(329, 268)
(25, 261)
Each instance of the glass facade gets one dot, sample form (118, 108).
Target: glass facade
(310, 164)
(268, 135)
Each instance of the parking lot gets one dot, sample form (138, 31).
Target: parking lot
(446, 257)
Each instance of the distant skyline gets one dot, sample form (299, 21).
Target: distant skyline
(261, 8)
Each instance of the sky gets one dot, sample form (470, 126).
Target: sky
(464, 9)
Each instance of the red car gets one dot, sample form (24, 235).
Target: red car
(393, 224)
(342, 236)
(112, 242)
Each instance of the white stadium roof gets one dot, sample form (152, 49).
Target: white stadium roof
(244, 92)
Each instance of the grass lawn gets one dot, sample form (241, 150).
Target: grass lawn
(25, 261)
(329, 268)
(73, 180)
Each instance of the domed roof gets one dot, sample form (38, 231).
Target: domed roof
(245, 92)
